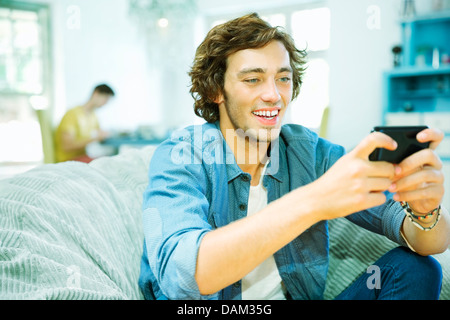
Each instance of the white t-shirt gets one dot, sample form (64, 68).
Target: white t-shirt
(263, 282)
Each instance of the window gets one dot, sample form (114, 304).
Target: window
(20, 52)
(24, 59)
(310, 28)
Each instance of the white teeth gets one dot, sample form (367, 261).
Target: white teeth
(266, 113)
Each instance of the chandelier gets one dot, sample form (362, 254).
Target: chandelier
(163, 14)
(168, 28)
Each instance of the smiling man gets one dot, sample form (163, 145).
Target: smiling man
(252, 224)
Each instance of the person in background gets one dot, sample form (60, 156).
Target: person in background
(80, 127)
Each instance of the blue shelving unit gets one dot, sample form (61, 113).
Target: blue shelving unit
(421, 89)
(418, 91)
(427, 31)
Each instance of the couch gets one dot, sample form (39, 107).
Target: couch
(73, 231)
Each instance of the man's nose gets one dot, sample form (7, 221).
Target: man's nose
(271, 93)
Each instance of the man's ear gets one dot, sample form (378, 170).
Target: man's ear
(219, 99)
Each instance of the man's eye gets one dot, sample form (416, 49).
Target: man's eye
(285, 79)
(253, 80)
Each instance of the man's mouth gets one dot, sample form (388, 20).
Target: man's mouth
(266, 114)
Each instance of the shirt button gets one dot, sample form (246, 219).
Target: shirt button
(236, 284)
(245, 178)
(243, 206)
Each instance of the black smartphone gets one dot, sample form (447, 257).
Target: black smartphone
(405, 136)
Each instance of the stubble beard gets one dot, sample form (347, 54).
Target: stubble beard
(260, 135)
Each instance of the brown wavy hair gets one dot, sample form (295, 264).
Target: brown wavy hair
(210, 62)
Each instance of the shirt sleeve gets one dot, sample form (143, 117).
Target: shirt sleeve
(175, 211)
(386, 220)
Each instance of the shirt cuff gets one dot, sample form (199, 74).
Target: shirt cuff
(392, 223)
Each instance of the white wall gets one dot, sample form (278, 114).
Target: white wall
(105, 47)
(97, 42)
(360, 51)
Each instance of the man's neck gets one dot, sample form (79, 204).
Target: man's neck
(89, 107)
(250, 154)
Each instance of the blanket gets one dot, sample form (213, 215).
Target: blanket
(73, 231)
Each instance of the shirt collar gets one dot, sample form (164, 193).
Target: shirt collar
(275, 169)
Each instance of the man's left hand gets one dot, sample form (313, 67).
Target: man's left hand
(419, 178)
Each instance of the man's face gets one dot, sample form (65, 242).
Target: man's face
(258, 89)
(100, 99)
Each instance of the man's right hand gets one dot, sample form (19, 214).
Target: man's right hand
(355, 183)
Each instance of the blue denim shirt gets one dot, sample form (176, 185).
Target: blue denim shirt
(196, 186)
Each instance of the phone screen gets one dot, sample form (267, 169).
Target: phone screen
(405, 136)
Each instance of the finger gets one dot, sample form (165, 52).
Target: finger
(431, 191)
(365, 186)
(422, 158)
(368, 200)
(375, 199)
(373, 141)
(378, 184)
(418, 180)
(381, 169)
(434, 136)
